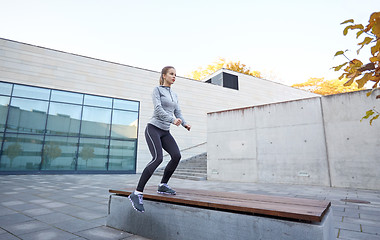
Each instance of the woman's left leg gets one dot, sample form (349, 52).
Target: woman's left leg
(170, 146)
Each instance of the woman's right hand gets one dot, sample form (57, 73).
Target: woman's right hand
(177, 122)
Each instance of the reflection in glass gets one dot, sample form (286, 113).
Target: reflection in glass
(36, 140)
(124, 124)
(5, 88)
(27, 116)
(126, 105)
(96, 122)
(31, 92)
(122, 155)
(69, 97)
(59, 153)
(97, 101)
(93, 154)
(4, 102)
(64, 119)
(21, 152)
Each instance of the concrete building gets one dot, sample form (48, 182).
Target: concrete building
(61, 112)
(315, 141)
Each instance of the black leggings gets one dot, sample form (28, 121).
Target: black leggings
(158, 139)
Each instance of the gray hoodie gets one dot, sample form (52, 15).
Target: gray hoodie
(165, 103)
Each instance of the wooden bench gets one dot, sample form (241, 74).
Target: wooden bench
(220, 215)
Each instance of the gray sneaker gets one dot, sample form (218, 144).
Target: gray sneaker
(137, 202)
(165, 189)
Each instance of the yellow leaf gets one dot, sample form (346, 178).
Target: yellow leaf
(337, 68)
(375, 117)
(374, 59)
(366, 41)
(361, 82)
(368, 114)
(348, 21)
(375, 48)
(358, 34)
(345, 31)
(376, 28)
(338, 53)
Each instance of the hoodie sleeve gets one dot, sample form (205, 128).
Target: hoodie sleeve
(159, 111)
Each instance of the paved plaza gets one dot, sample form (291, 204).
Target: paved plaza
(75, 206)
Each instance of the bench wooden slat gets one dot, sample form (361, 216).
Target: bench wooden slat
(255, 197)
(286, 207)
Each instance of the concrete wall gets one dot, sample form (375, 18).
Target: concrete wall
(37, 66)
(317, 141)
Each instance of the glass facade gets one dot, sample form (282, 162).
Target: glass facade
(45, 130)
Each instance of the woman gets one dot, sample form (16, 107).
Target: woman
(158, 137)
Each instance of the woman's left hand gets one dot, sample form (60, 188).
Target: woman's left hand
(188, 127)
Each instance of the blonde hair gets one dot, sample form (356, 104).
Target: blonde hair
(164, 71)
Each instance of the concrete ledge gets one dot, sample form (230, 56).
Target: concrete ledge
(170, 221)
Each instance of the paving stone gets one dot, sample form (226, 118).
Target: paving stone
(370, 216)
(37, 211)
(88, 204)
(348, 226)
(361, 221)
(55, 205)
(5, 211)
(87, 215)
(23, 207)
(76, 225)
(54, 217)
(7, 220)
(103, 232)
(8, 236)
(12, 203)
(134, 237)
(40, 201)
(26, 227)
(371, 229)
(347, 214)
(48, 234)
(346, 234)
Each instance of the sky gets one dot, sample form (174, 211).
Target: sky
(287, 41)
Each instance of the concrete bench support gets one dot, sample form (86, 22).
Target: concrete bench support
(171, 221)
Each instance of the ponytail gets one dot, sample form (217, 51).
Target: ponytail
(164, 71)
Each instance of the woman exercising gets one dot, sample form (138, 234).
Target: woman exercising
(158, 137)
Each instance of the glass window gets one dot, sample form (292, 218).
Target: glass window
(96, 122)
(93, 154)
(64, 119)
(69, 97)
(124, 124)
(31, 92)
(5, 88)
(21, 152)
(4, 102)
(122, 155)
(59, 153)
(97, 101)
(126, 105)
(26, 115)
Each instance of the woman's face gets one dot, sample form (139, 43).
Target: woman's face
(169, 77)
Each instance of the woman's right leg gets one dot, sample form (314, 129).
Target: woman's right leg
(153, 139)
